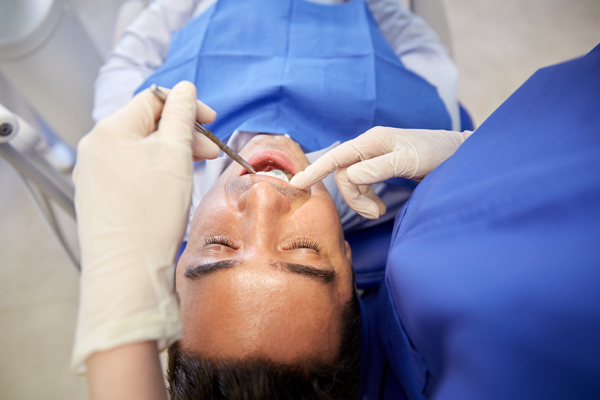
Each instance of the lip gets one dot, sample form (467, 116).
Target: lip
(274, 155)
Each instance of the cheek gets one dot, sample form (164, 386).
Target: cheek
(213, 200)
(321, 217)
(214, 214)
(195, 306)
(179, 270)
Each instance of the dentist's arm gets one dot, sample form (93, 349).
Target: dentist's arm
(129, 372)
(133, 182)
(380, 154)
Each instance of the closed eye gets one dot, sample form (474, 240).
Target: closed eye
(219, 240)
(306, 244)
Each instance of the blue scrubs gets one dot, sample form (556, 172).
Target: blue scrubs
(319, 73)
(492, 288)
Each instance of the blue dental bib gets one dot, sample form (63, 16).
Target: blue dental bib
(319, 73)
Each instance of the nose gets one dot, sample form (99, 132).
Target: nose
(263, 202)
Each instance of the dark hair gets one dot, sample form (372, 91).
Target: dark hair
(194, 377)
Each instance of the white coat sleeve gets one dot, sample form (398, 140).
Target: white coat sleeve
(420, 50)
(142, 48)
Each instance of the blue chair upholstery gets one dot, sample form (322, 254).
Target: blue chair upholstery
(369, 254)
(180, 252)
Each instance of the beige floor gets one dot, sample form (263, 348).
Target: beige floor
(497, 46)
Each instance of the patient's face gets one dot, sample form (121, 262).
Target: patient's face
(266, 270)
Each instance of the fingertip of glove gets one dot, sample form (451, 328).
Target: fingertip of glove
(369, 215)
(298, 180)
(185, 88)
(366, 207)
(205, 114)
(214, 154)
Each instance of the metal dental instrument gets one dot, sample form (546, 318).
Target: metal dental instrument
(226, 149)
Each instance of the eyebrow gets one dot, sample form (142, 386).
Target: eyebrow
(205, 269)
(321, 275)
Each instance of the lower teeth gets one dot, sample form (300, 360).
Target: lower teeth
(276, 173)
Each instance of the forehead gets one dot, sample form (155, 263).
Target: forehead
(254, 310)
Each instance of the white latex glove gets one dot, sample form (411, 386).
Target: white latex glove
(380, 154)
(133, 187)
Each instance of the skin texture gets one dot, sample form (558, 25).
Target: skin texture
(258, 230)
(127, 372)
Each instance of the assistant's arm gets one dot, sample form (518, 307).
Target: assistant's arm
(377, 155)
(143, 47)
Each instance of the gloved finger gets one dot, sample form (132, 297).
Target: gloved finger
(373, 143)
(203, 148)
(136, 119)
(360, 198)
(401, 163)
(204, 114)
(179, 114)
(416, 154)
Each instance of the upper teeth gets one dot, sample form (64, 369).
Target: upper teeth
(276, 173)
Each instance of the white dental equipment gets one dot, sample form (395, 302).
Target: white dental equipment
(19, 145)
(49, 57)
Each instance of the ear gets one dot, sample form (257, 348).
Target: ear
(348, 251)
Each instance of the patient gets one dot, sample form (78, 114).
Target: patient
(266, 288)
(265, 285)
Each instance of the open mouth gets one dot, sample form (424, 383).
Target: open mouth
(272, 168)
(272, 163)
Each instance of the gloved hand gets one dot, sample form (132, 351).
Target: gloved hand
(380, 154)
(133, 185)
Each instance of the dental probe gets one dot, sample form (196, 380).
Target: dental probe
(200, 128)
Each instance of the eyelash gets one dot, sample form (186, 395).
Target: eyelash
(219, 240)
(300, 244)
(306, 244)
